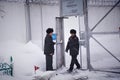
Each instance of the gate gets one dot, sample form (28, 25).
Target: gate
(96, 40)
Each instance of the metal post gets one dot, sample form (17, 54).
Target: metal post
(80, 45)
(106, 33)
(11, 66)
(41, 15)
(119, 32)
(60, 55)
(87, 34)
(28, 21)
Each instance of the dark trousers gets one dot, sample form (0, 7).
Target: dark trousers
(49, 62)
(74, 61)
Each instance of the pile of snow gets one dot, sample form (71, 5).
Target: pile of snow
(30, 55)
(25, 57)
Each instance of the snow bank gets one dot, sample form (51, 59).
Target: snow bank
(30, 55)
(25, 57)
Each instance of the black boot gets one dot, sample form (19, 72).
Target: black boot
(78, 67)
(69, 71)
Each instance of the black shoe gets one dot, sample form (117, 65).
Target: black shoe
(69, 71)
(49, 70)
(78, 68)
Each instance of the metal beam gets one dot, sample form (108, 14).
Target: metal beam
(60, 55)
(87, 36)
(41, 18)
(105, 33)
(80, 45)
(105, 16)
(109, 71)
(105, 49)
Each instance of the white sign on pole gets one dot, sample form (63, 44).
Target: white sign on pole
(71, 7)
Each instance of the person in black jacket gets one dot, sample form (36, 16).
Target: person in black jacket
(49, 49)
(73, 46)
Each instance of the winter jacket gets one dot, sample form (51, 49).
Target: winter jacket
(73, 45)
(49, 45)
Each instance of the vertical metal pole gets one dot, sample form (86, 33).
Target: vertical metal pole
(60, 55)
(11, 66)
(79, 38)
(87, 34)
(119, 32)
(41, 24)
(28, 21)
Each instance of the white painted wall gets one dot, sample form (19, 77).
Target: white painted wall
(42, 17)
(12, 22)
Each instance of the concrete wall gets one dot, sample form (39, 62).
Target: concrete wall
(42, 17)
(13, 21)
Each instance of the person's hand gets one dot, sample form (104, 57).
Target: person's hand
(54, 42)
(51, 54)
(61, 41)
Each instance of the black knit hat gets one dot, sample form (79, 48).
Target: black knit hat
(72, 31)
(49, 30)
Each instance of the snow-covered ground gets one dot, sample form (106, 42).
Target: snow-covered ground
(26, 56)
(86, 75)
(63, 75)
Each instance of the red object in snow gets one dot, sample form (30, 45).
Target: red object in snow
(36, 68)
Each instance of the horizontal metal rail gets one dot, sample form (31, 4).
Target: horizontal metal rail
(107, 71)
(105, 33)
(5, 69)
